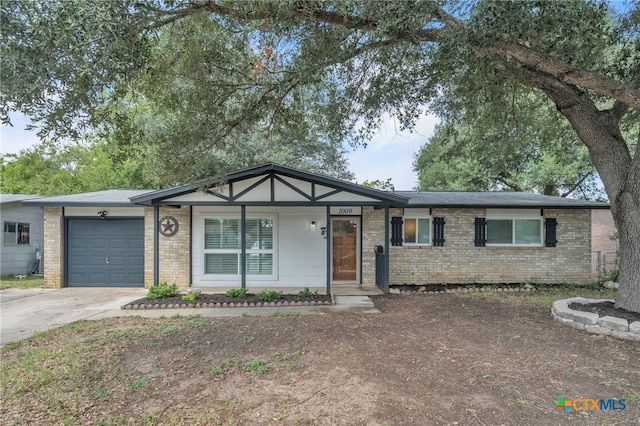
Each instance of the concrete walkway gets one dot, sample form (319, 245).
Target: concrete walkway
(25, 312)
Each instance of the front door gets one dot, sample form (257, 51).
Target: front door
(345, 249)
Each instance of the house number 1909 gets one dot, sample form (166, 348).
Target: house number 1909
(345, 211)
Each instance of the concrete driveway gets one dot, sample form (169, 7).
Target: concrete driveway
(25, 312)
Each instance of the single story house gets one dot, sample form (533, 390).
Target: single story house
(276, 227)
(22, 235)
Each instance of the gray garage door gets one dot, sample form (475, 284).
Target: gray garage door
(105, 253)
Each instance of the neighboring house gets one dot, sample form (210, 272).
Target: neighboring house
(22, 235)
(276, 227)
(604, 242)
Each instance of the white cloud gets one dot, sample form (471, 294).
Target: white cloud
(390, 153)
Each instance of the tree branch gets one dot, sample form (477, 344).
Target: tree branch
(565, 73)
(575, 186)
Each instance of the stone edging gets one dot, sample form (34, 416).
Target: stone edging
(484, 289)
(224, 305)
(592, 322)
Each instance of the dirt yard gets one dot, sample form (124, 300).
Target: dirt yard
(444, 359)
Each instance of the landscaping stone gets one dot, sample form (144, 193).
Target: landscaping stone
(611, 285)
(634, 327)
(613, 323)
(596, 329)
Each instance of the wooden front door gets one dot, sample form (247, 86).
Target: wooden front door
(345, 249)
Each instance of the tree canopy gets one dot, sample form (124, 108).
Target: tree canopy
(529, 148)
(50, 170)
(280, 66)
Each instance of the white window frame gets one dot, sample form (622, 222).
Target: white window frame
(16, 238)
(513, 215)
(238, 251)
(415, 214)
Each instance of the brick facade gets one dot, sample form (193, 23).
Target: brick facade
(459, 261)
(175, 251)
(604, 249)
(53, 247)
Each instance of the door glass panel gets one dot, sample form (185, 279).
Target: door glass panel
(345, 256)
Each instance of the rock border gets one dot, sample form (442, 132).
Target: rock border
(592, 322)
(224, 305)
(484, 289)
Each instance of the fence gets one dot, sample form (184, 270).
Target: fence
(603, 262)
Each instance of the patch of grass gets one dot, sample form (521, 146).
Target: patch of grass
(163, 290)
(102, 394)
(141, 383)
(249, 339)
(30, 281)
(546, 295)
(221, 367)
(286, 314)
(237, 292)
(256, 365)
(269, 295)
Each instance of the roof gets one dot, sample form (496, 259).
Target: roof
(265, 169)
(496, 200)
(131, 198)
(108, 198)
(14, 198)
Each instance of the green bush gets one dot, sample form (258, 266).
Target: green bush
(307, 293)
(190, 297)
(162, 290)
(237, 292)
(268, 296)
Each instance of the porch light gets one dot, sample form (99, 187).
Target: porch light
(313, 225)
(323, 231)
(102, 214)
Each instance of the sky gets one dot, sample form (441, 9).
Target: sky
(389, 154)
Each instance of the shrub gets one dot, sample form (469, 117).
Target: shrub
(190, 297)
(268, 296)
(307, 293)
(162, 290)
(237, 292)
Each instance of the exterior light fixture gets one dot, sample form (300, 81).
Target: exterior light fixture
(102, 214)
(323, 231)
(313, 225)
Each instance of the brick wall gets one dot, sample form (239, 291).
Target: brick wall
(459, 261)
(602, 228)
(175, 254)
(53, 240)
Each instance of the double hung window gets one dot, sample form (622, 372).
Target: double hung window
(222, 246)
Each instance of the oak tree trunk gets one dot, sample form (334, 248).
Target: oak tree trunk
(620, 174)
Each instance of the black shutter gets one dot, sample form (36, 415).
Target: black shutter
(396, 231)
(438, 231)
(550, 224)
(481, 232)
